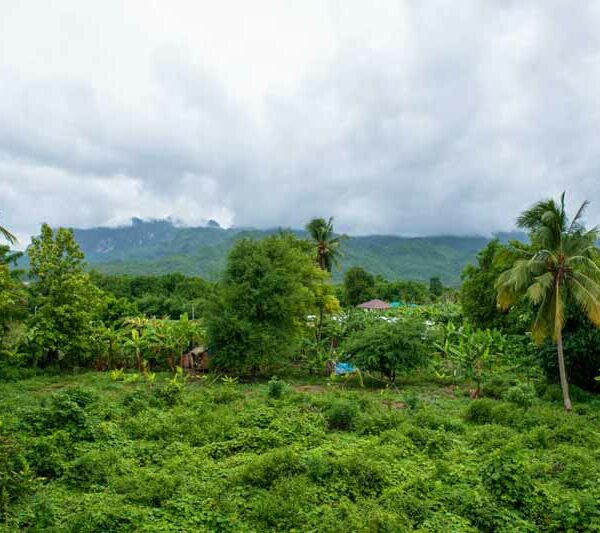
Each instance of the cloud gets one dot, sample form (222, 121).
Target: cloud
(405, 117)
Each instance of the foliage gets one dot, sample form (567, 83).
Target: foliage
(13, 297)
(582, 352)
(436, 288)
(506, 475)
(277, 388)
(269, 288)
(521, 394)
(169, 295)
(328, 245)
(66, 303)
(359, 286)
(389, 347)
(104, 455)
(478, 294)
(342, 414)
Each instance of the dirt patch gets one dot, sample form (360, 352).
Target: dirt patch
(310, 388)
(394, 405)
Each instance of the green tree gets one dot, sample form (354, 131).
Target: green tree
(407, 291)
(388, 347)
(436, 289)
(359, 286)
(328, 245)
(65, 302)
(560, 268)
(13, 297)
(260, 311)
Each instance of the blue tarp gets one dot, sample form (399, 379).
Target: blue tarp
(344, 368)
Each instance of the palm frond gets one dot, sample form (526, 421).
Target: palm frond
(8, 235)
(578, 215)
(540, 288)
(586, 293)
(542, 322)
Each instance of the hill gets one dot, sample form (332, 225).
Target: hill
(159, 246)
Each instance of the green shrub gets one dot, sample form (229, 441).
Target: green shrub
(277, 388)
(374, 423)
(225, 394)
(342, 415)
(353, 474)
(137, 400)
(148, 486)
(522, 394)
(93, 469)
(389, 348)
(553, 393)
(411, 400)
(16, 478)
(269, 467)
(480, 411)
(49, 455)
(506, 476)
(497, 385)
(170, 394)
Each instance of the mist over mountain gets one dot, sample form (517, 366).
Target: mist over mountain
(161, 246)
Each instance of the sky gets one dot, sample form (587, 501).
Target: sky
(394, 117)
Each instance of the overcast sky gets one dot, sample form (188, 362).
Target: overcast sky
(411, 117)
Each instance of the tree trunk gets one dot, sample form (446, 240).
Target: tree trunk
(563, 374)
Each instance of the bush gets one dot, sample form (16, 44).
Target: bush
(342, 415)
(553, 393)
(225, 394)
(522, 394)
(497, 385)
(170, 394)
(93, 469)
(506, 476)
(16, 477)
(389, 347)
(277, 388)
(480, 411)
(137, 401)
(269, 467)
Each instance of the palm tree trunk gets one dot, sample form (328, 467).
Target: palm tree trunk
(562, 372)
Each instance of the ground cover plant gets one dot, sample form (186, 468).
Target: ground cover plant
(87, 452)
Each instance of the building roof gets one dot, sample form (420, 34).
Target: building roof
(374, 304)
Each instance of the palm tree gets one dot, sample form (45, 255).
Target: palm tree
(559, 266)
(328, 246)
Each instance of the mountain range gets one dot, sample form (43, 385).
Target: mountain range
(160, 246)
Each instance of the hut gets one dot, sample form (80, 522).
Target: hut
(197, 359)
(375, 305)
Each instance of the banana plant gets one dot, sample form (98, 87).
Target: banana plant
(472, 352)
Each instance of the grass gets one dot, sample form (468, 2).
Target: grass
(84, 453)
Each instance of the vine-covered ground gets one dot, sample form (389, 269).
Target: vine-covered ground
(91, 453)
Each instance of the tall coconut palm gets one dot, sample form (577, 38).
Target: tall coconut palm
(328, 245)
(560, 266)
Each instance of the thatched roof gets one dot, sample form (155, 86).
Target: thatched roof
(375, 304)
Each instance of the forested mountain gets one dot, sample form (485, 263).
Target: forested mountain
(159, 246)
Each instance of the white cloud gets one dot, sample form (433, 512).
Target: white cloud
(396, 117)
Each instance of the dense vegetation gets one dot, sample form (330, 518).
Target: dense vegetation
(97, 454)
(442, 413)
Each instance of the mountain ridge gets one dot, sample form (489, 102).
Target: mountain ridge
(160, 246)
